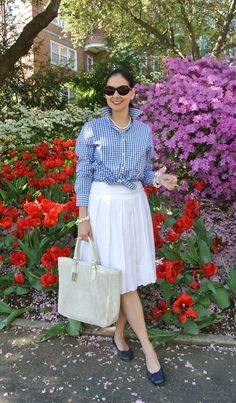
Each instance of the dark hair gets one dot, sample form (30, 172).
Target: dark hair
(125, 74)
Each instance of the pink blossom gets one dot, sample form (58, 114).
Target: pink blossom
(192, 113)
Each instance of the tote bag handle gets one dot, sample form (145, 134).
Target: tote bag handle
(93, 251)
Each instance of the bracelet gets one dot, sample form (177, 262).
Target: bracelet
(157, 176)
(82, 219)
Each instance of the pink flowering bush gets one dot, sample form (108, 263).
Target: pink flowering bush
(192, 113)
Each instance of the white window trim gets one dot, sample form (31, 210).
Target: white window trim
(68, 94)
(60, 23)
(68, 48)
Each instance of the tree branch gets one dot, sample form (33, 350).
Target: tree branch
(162, 40)
(25, 40)
(222, 38)
(188, 24)
(172, 35)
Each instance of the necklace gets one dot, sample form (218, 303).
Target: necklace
(121, 127)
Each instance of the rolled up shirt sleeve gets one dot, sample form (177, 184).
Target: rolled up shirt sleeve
(84, 150)
(148, 172)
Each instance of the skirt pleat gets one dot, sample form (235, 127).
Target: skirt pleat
(122, 230)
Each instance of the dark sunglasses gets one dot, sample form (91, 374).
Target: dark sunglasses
(122, 90)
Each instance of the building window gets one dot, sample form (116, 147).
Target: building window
(89, 63)
(68, 94)
(61, 55)
(59, 22)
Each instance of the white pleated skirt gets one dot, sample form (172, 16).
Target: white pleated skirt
(122, 230)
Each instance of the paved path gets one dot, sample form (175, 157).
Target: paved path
(86, 369)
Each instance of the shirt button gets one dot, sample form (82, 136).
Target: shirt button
(119, 181)
(123, 140)
(123, 154)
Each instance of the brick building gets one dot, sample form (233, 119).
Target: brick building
(54, 47)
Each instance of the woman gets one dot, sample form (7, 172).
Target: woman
(114, 161)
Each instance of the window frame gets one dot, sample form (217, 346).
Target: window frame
(60, 45)
(59, 23)
(68, 93)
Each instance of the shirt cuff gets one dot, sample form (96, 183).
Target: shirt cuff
(82, 200)
(148, 178)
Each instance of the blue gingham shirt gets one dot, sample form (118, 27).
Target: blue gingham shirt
(108, 155)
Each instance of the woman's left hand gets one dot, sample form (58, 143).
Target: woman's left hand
(168, 181)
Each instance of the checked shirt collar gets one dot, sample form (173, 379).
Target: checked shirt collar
(133, 112)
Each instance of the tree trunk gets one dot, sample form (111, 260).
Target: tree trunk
(190, 29)
(25, 40)
(221, 41)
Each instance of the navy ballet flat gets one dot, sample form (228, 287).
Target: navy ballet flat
(157, 378)
(123, 355)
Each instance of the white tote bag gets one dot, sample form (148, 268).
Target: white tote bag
(88, 292)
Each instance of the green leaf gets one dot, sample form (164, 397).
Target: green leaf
(207, 321)
(190, 327)
(5, 307)
(10, 318)
(192, 249)
(74, 327)
(161, 336)
(169, 253)
(169, 222)
(185, 257)
(2, 318)
(202, 311)
(55, 330)
(70, 224)
(167, 317)
(200, 229)
(211, 286)
(18, 290)
(21, 290)
(4, 196)
(7, 241)
(6, 279)
(163, 284)
(235, 317)
(221, 298)
(9, 290)
(204, 300)
(30, 253)
(169, 294)
(188, 278)
(204, 252)
(231, 280)
(35, 282)
(203, 287)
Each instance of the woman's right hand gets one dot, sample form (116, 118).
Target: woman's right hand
(85, 231)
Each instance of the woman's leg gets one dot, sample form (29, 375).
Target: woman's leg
(133, 311)
(119, 332)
